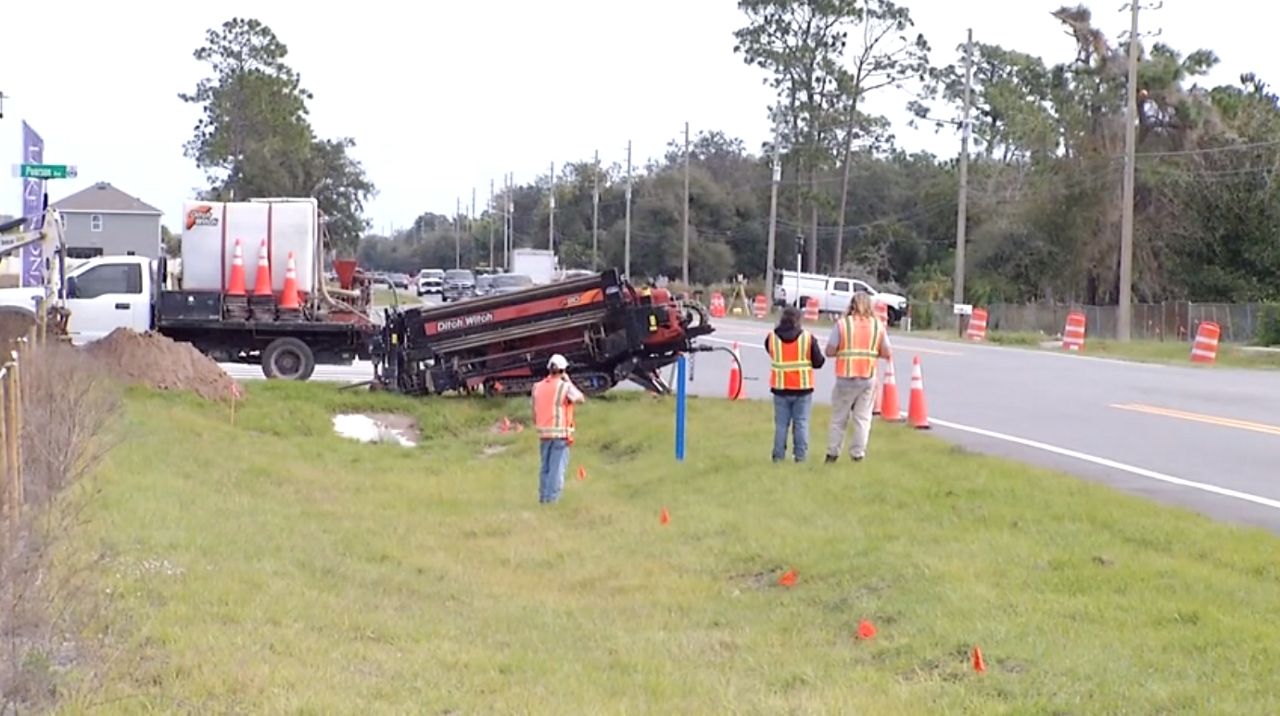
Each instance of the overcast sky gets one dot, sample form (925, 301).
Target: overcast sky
(442, 97)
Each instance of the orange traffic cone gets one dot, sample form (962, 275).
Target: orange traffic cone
(664, 517)
(891, 407)
(979, 664)
(917, 415)
(262, 282)
(788, 578)
(866, 630)
(289, 296)
(235, 283)
(582, 473)
(735, 375)
(505, 425)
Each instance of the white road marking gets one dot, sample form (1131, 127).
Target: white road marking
(1114, 465)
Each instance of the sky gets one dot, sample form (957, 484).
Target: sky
(443, 97)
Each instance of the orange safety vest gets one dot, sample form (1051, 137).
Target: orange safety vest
(552, 409)
(792, 367)
(860, 340)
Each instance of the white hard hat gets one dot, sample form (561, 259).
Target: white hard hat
(557, 362)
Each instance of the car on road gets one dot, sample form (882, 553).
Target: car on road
(459, 284)
(483, 282)
(430, 281)
(508, 282)
(398, 280)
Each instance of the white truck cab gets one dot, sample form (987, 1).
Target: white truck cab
(107, 293)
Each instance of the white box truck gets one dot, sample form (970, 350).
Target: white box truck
(540, 265)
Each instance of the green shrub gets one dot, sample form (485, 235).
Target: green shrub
(1268, 331)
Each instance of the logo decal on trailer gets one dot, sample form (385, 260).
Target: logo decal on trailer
(453, 324)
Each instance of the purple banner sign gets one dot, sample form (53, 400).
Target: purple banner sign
(32, 207)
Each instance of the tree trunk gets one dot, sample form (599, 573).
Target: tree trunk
(813, 218)
(838, 259)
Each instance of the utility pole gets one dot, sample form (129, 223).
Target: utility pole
(490, 222)
(1124, 313)
(626, 232)
(773, 211)
(595, 215)
(457, 234)
(511, 221)
(684, 256)
(551, 212)
(963, 200)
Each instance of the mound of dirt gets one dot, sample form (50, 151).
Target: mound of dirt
(156, 361)
(15, 323)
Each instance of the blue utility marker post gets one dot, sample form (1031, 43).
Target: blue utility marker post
(680, 404)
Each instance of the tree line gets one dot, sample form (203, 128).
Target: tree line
(1044, 204)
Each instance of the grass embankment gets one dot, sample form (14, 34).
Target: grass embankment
(387, 297)
(1146, 351)
(303, 572)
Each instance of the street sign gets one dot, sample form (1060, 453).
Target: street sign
(47, 171)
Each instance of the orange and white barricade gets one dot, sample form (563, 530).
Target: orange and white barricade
(717, 305)
(882, 312)
(1073, 334)
(1205, 349)
(761, 306)
(811, 309)
(977, 325)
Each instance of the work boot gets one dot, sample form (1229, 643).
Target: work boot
(830, 459)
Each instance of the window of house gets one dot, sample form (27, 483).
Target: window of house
(95, 222)
(110, 278)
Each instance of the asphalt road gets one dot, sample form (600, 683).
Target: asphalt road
(1204, 439)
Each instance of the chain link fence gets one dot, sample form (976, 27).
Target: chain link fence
(1167, 321)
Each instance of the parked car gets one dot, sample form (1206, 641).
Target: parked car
(459, 284)
(483, 281)
(398, 280)
(508, 282)
(430, 281)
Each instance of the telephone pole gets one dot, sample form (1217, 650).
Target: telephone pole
(595, 214)
(457, 234)
(1124, 312)
(511, 220)
(551, 212)
(490, 222)
(773, 211)
(626, 233)
(684, 256)
(963, 200)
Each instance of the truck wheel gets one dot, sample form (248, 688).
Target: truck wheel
(288, 359)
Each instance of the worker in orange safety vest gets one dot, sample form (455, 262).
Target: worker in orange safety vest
(856, 342)
(553, 401)
(794, 356)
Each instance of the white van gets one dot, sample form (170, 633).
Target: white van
(833, 293)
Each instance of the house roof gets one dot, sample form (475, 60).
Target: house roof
(106, 199)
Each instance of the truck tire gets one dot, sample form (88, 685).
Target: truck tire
(288, 359)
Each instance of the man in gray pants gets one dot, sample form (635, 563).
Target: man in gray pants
(856, 342)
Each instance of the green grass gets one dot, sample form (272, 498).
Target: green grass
(385, 297)
(1146, 351)
(319, 575)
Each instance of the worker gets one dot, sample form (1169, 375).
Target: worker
(794, 355)
(857, 340)
(553, 401)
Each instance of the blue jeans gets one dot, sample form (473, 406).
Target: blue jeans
(791, 411)
(555, 460)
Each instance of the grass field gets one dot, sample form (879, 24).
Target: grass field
(1170, 352)
(386, 297)
(274, 567)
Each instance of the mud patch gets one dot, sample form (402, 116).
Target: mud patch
(377, 428)
(764, 579)
(155, 361)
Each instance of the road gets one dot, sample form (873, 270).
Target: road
(1204, 439)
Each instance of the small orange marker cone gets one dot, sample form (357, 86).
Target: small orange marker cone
(235, 283)
(866, 630)
(289, 296)
(582, 473)
(262, 281)
(978, 664)
(891, 406)
(664, 517)
(788, 578)
(917, 414)
(506, 424)
(735, 376)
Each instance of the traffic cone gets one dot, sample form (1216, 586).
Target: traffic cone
(979, 664)
(664, 517)
(289, 296)
(917, 414)
(262, 281)
(582, 473)
(866, 630)
(788, 578)
(505, 425)
(891, 407)
(235, 283)
(735, 375)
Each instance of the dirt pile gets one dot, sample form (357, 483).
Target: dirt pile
(156, 361)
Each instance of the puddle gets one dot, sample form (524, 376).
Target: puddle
(377, 428)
